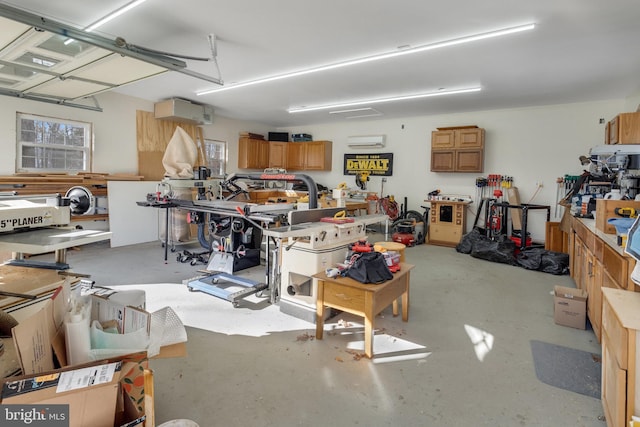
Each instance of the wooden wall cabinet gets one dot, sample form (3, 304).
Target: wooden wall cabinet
(457, 149)
(253, 153)
(293, 156)
(623, 129)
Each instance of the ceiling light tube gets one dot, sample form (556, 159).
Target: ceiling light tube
(423, 48)
(382, 100)
(114, 14)
(109, 17)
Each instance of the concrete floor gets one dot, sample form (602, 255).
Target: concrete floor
(255, 366)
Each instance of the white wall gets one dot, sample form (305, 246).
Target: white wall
(114, 128)
(530, 144)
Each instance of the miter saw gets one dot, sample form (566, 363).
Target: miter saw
(362, 178)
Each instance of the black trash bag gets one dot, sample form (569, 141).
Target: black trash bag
(369, 267)
(555, 263)
(540, 259)
(468, 240)
(501, 250)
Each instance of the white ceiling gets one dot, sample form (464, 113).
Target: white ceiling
(580, 50)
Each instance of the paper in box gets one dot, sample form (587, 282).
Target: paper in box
(570, 307)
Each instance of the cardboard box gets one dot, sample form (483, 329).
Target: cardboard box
(117, 391)
(91, 393)
(605, 209)
(570, 307)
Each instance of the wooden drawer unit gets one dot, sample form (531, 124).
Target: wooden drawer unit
(348, 299)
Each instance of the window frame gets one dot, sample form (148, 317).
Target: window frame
(208, 159)
(86, 149)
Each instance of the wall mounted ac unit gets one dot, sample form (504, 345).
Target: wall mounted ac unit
(182, 110)
(366, 141)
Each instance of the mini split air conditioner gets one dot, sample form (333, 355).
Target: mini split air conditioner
(366, 141)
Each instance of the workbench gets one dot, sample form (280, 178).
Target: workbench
(367, 300)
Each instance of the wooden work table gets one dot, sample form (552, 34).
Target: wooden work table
(362, 299)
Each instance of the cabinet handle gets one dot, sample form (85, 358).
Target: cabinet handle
(590, 269)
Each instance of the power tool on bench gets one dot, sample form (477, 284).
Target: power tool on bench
(626, 212)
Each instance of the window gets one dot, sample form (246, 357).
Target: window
(216, 152)
(46, 144)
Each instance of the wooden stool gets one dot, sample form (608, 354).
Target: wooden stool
(396, 247)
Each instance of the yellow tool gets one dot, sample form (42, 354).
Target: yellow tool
(340, 214)
(626, 212)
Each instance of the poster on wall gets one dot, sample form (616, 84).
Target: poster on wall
(379, 164)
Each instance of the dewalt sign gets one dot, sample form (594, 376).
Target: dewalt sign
(376, 164)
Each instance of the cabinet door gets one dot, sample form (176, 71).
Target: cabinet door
(318, 155)
(616, 265)
(442, 139)
(614, 387)
(629, 128)
(578, 261)
(263, 154)
(443, 161)
(594, 290)
(278, 154)
(469, 138)
(469, 160)
(253, 153)
(613, 130)
(296, 152)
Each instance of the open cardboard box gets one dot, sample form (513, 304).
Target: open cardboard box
(107, 393)
(123, 400)
(39, 340)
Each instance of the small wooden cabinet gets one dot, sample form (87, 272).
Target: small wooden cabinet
(253, 153)
(623, 129)
(620, 329)
(459, 149)
(447, 222)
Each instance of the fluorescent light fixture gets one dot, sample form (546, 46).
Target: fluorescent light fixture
(127, 7)
(393, 54)
(382, 100)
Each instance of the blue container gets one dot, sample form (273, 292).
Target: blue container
(622, 225)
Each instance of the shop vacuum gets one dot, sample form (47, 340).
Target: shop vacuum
(405, 233)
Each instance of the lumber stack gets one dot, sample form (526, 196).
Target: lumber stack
(28, 184)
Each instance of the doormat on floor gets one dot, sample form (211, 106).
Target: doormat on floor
(567, 368)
